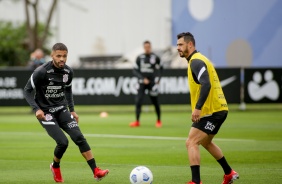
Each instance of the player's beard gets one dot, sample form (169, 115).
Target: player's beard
(59, 64)
(183, 53)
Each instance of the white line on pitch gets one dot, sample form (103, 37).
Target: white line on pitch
(157, 137)
(132, 137)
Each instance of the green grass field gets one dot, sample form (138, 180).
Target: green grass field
(251, 141)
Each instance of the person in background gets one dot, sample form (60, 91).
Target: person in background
(36, 59)
(147, 69)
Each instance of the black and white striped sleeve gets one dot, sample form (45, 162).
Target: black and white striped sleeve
(32, 82)
(68, 92)
(201, 76)
(136, 69)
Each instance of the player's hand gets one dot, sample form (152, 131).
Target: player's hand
(146, 81)
(75, 116)
(40, 115)
(196, 115)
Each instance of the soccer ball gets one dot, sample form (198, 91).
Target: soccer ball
(141, 175)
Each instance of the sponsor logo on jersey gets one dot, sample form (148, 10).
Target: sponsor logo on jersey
(54, 95)
(65, 78)
(54, 87)
(48, 117)
(55, 109)
(54, 92)
(50, 71)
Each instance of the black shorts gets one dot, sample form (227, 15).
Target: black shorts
(152, 89)
(60, 117)
(211, 124)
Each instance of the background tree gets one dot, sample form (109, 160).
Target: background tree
(17, 41)
(36, 40)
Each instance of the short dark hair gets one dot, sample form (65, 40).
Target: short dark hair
(146, 42)
(187, 37)
(59, 46)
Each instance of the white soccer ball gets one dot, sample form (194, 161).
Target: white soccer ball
(141, 175)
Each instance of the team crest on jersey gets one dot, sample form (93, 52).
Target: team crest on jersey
(48, 117)
(153, 60)
(65, 78)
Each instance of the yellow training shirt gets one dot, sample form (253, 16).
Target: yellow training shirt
(215, 101)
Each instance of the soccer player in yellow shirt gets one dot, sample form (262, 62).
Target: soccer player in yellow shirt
(209, 108)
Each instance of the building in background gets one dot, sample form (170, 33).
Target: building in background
(230, 33)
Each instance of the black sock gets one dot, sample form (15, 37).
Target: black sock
(155, 101)
(56, 164)
(196, 174)
(92, 164)
(225, 166)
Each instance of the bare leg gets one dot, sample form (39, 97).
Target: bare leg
(216, 152)
(211, 147)
(87, 155)
(195, 137)
(192, 144)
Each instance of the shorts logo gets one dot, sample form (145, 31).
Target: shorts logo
(209, 126)
(72, 124)
(65, 78)
(48, 117)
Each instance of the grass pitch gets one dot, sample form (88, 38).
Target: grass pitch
(250, 140)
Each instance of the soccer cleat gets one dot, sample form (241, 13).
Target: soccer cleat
(57, 174)
(134, 124)
(99, 174)
(228, 179)
(191, 182)
(159, 124)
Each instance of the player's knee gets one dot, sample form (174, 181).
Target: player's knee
(79, 140)
(63, 143)
(190, 142)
